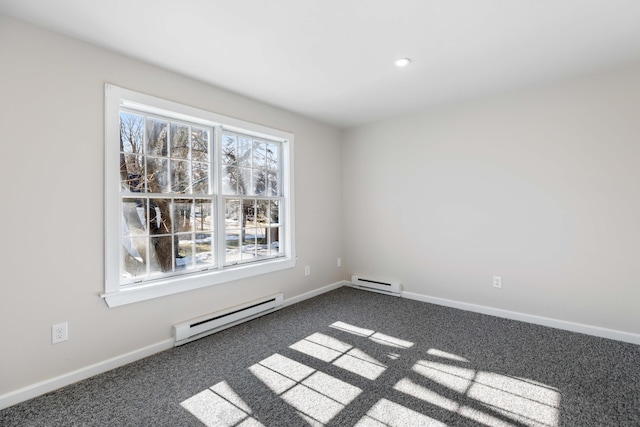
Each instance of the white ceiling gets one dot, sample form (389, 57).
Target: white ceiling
(332, 60)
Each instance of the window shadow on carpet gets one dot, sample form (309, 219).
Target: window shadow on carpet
(332, 377)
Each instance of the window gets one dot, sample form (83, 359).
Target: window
(192, 198)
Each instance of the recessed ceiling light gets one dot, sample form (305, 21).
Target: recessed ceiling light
(403, 62)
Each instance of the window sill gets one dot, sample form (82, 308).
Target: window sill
(162, 288)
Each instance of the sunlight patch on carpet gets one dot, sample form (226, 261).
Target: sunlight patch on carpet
(486, 397)
(220, 406)
(390, 414)
(318, 397)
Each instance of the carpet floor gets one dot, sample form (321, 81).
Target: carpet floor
(356, 358)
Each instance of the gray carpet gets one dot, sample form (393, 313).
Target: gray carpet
(352, 357)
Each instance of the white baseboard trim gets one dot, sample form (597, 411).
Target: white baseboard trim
(52, 384)
(299, 298)
(38, 389)
(530, 318)
(35, 390)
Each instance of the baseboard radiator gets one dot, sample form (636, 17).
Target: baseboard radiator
(214, 322)
(384, 286)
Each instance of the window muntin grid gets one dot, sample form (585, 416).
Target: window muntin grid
(167, 202)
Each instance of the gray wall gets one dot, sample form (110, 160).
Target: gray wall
(51, 167)
(540, 186)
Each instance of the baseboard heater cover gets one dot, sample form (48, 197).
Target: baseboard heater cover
(373, 284)
(197, 328)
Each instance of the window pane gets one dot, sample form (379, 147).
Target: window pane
(262, 212)
(230, 181)
(262, 251)
(200, 178)
(131, 173)
(259, 154)
(134, 257)
(262, 224)
(160, 216)
(185, 250)
(229, 150)
(200, 144)
(276, 249)
(272, 187)
(157, 175)
(244, 151)
(244, 181)
(248, 212)
(180, 176)
(203, 215)
(179, 141)
(232, 213)
(183, 215)
(259, 181)
(248, 244)
(131, 133)
(248, 229)
(204, 250)
(274, 212)
(161, 251)
(134, 213)
(274, 229)
(232, 249)
(264, 248)
(156, 137)
(273, 151)
(249, 237)
(232, 231)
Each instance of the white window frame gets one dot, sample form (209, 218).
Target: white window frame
(115, 294)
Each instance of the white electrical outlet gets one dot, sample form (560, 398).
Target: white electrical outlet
(497, 281)
(59, 332)
(307, 270)
(339, 262)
